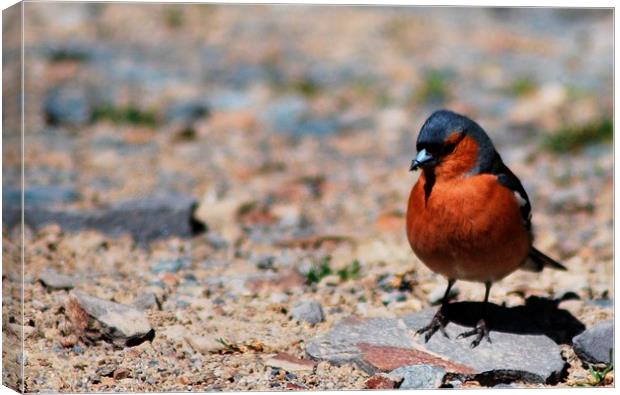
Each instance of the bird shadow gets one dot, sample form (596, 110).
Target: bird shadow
(538, 316)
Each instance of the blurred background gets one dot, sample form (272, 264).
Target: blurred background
(292, 128)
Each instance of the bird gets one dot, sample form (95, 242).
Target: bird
(468, 216)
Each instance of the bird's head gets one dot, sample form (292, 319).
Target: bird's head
(450, 144)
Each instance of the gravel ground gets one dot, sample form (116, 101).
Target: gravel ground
(294, 137)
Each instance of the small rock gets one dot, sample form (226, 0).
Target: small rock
(419, 376)
(309, 311)
(146, 301)
(380, 382)
(595, 345)
(99, 319)
(54, 280)
(120, 373)
(290, 363)
(171, 265)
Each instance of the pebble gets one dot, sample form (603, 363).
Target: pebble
(309, 311)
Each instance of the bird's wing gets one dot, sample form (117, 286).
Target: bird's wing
(507, 178)
(536, 260)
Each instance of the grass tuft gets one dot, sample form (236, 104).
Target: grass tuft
(434, 88)
(128, 115)
(350, 272)
(317, 272)
(522, 86)
(597, 376)
(571, 138)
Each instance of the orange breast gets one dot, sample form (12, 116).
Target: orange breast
(469, 229)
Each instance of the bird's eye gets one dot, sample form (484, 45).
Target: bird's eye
(448, 148)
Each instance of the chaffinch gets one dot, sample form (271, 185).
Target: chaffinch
(468, 216)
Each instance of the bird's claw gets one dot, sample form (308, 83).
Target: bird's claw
(481, 331)
(438, 323)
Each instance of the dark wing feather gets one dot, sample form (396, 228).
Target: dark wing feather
(507, 178)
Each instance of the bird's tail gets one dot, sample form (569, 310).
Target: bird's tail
(538, 261)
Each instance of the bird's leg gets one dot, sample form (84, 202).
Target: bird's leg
(439, 321)
(482, 329)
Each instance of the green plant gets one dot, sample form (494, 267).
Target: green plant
(174, 17)
(350, 272)
(434, 87)
(570, 138)
(522, 86)
(307, 87)
(317, 272)
(130, 115)
(597, 376)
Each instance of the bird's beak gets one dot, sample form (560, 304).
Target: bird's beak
(419, 161)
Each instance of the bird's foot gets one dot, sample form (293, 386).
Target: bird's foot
(481, 331)
(438, 323)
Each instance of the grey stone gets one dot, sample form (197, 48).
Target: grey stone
(121, 324)
(309, 311)
(522, 353)
(171, 265)
(595, 345)
(54, 280)
(419, 376)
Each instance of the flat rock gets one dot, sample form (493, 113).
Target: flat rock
(145, 219)
(419, 376)
(54, 280)
(521, 350)
(595, 345)
(93, 318)
(290, 363)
